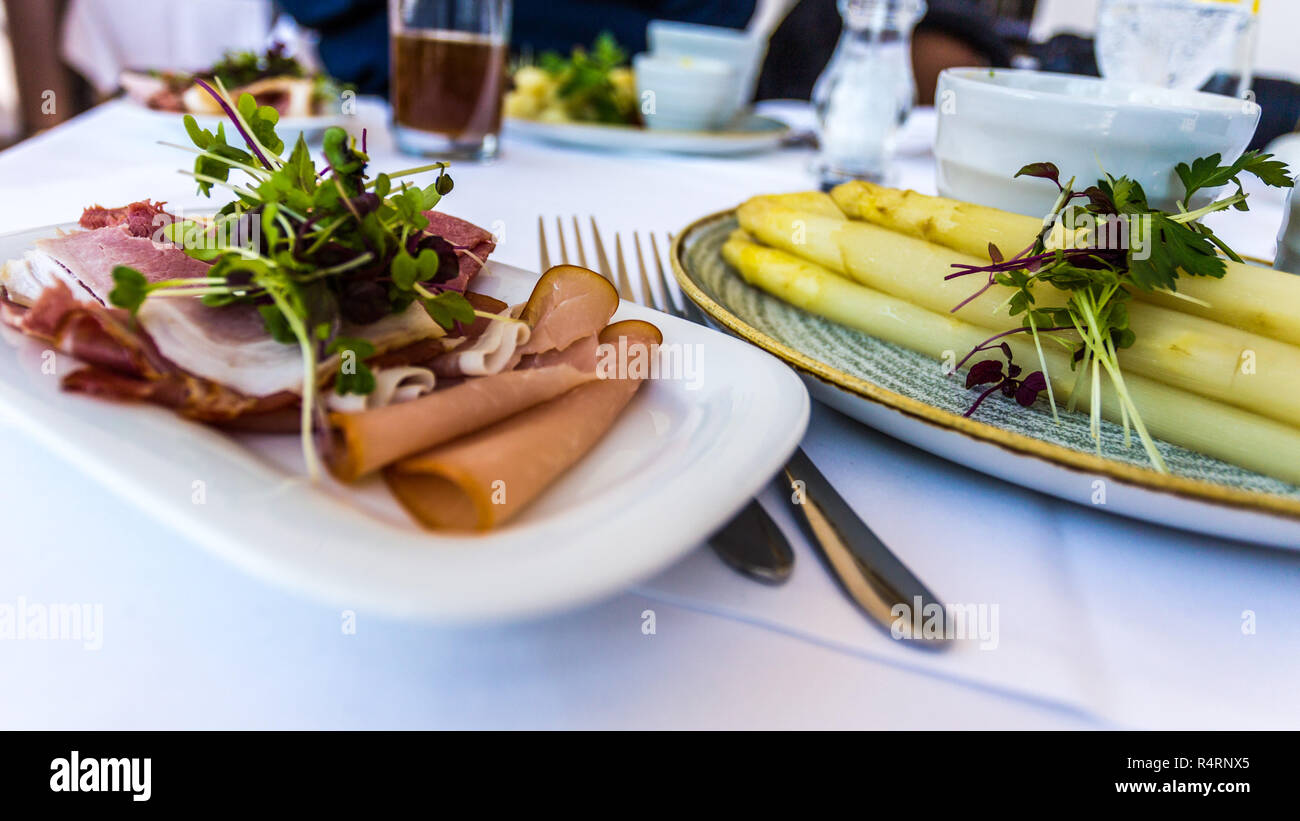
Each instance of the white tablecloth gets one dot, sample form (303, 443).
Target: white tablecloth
(1102, 621)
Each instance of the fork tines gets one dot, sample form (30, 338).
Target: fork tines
(617, 274)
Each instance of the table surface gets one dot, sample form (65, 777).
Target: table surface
(1102, 621)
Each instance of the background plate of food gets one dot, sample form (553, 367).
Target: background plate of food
(851, 290)
(594, 99)
(307, 101)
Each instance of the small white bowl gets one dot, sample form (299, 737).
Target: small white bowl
(992, 123)
(684, 93)
(740, 49)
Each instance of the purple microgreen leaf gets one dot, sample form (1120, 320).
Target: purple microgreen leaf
(1033, 385)
(1042, 170)
(1100, 201)
(981, 373)
(994, 254)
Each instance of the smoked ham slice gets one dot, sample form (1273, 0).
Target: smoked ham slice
(367, 441)
(568, 304)
(482, 480)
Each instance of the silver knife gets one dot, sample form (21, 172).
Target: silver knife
(872, 576)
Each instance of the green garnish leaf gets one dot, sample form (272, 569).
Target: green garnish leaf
(354, 375)
(129, 288)
(448, 308)
(1208, 172)
(277, 325)
(405, 271)
(261, 121)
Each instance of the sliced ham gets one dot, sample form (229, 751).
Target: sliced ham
(425, 351)
(141, 218)
(227, 345)
(484, 479)
(582, 300)
(85, 260)
(568, 303)
(367, 441)
(494, 350)
(123, 363)
(91, 256)
(403, 383)
(230, 344)
(473, 245)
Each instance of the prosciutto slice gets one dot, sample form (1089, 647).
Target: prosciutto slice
(473, 245)
(485, 479)
(124, 363)
(228, 345)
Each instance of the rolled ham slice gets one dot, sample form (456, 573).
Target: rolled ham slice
(569, 305)
(495, 350)
(483, 480)
(366, 441)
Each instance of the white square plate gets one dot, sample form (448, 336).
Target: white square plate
(679, 462)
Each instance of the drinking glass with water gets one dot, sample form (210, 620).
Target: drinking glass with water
(1188, 44)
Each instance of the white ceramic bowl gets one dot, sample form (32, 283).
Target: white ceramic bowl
(743, 51)
(684, 93)
(992, 123)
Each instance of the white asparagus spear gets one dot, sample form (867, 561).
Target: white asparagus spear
(1222, 431)
(1217, 361)
(1251, 297)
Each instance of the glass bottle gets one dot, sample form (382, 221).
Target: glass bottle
(866, 92)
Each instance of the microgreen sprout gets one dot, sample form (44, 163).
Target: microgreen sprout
(333, 246)
(1100, 279)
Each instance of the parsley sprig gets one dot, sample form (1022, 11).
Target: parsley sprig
(1100, 278)
(311, 249)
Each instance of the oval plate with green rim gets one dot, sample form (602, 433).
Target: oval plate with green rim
(904, 394)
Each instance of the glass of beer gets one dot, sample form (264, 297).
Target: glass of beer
(448, 64)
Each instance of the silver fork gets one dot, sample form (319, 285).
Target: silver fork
(750, 543)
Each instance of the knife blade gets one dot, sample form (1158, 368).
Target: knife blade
(752, 544)
(868, 571)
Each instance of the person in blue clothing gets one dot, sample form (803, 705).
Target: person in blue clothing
(354, 33)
